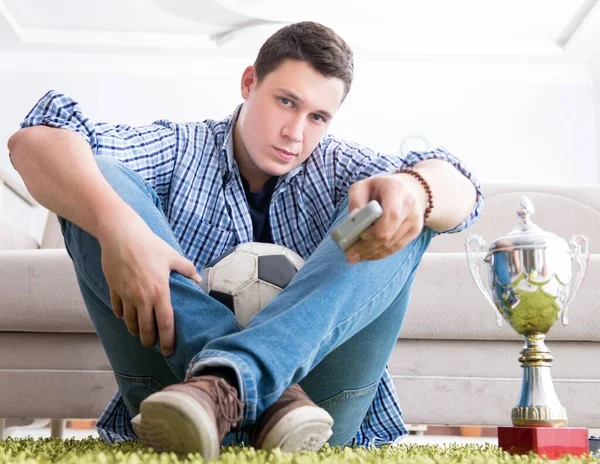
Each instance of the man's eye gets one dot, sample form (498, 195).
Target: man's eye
(285, 101)
(318, 118)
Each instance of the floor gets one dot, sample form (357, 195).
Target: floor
(418, 439)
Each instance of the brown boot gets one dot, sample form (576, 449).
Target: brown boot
(189, 417)
(292, 423)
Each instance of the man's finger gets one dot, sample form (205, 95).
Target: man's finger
(395, 212)
(130, 318)
(146, 323)
(186, 267)
(353, 254)
(376, 237)
(388, 245)
(166, 323)
(404, 239)
(116, 304)
(376, 251)
(358, 196)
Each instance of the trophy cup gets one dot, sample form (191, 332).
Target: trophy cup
(530, 286)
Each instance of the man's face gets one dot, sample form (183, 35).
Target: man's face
(286, 115)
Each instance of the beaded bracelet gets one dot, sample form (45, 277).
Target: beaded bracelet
(425, 185)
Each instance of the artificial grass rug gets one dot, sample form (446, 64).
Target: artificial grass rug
(94, 450)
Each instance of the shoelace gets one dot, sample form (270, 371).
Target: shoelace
(229, 406)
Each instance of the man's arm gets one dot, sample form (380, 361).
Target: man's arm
(404, 200)
(454, 195)
(150, 151)
(59, 170)
(365, 175)
(450, 181)
(55, 153)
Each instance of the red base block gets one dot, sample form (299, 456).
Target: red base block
(554, 442)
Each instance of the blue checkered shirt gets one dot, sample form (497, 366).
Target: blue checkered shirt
(192, 169)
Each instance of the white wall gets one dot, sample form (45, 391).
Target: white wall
(509, 123)
(529, 123)
(598, 124)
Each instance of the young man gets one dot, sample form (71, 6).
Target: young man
(142, 209)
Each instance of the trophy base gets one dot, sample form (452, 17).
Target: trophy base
(554, 442)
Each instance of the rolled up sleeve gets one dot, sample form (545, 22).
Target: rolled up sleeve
(353, 162)
(149, 150)
(416, 157)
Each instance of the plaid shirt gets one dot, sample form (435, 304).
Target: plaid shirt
(192, 169)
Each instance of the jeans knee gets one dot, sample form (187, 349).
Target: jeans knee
(125, 181)
(75, 238)
(110, 167)
(66, 228)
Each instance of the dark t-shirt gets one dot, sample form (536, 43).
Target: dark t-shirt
(259, 203)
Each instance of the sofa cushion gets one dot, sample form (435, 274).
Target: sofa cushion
(40, 293)
(446, 304)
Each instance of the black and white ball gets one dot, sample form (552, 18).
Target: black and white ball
(249, 276)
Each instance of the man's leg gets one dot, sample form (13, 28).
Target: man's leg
(345, 382)
(194, 415)
(328, 302)
(139, 370)
(343, 385)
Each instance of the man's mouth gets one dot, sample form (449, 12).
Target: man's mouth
(284, 154)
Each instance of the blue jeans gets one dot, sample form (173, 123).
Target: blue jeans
(332, 329)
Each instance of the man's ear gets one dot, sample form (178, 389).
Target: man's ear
(249, 81)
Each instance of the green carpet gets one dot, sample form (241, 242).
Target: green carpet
(93, 450)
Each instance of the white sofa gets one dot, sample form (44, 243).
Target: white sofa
(452, 364)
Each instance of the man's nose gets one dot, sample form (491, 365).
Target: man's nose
(294, 129)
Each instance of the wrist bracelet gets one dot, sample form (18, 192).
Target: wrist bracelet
(425, 185)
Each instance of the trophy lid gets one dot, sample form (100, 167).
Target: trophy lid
(526, 234)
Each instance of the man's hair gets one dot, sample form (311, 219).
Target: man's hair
(311, 42)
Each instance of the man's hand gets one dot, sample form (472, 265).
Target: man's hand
(403, 201)
(137, 265)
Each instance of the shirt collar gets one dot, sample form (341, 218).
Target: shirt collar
(227, 161)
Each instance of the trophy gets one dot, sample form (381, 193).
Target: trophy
(530, 286)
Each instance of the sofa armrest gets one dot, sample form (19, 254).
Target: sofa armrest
(52, 235)
(14, 238)
(20, 214)
(18, 189)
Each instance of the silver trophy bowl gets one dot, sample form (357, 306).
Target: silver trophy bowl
(531, 285)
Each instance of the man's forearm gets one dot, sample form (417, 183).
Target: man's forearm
(454, 195)
(59, 170)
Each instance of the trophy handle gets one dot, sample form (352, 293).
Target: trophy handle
(580, 253)
(474, 259)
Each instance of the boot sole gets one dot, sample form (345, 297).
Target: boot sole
(306, 428)
(174, 422)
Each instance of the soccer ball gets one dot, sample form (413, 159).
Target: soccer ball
(247, 277)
